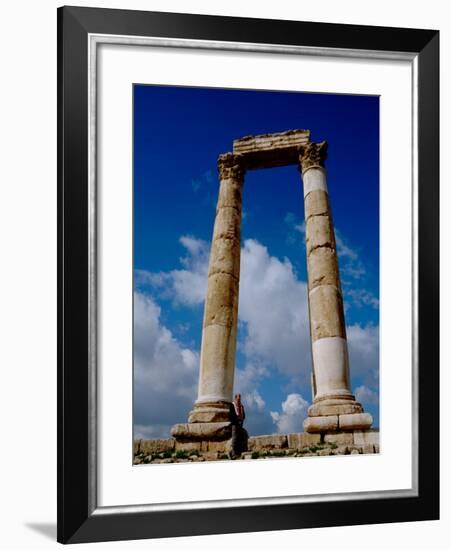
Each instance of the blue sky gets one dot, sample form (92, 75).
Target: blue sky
(178, 135)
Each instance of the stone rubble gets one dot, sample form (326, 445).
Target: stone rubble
(293, 445)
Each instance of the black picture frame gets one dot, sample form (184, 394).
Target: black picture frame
(79, 519)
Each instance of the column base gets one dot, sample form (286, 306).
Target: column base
(335, 405)
(336, 414)
(202, 431)
(210, 411)
(208, 421)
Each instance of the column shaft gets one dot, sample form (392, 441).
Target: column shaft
(332, 391)
(327, 324)
(217, 359)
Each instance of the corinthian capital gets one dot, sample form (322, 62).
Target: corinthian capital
(312, 154)
(230, 166)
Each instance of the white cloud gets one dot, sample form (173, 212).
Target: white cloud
(294, 411)
(343, 249)
(363, 344)
(247, 379)
(273, 304)
(361, 297)
(351, 266)
(156, 431)
(254, 400)
(184, 286)
(366, 396)
(165, 372)
(273, 317)
(297, 226)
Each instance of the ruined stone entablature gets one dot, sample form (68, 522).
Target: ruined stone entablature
(334, 408)
(268, 150)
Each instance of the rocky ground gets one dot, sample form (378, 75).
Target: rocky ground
(320, 449)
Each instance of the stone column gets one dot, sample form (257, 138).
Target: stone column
(334, 407)
(210, 416)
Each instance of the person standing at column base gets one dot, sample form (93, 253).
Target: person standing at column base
(239, 434)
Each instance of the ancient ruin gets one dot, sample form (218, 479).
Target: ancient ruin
(334, 409)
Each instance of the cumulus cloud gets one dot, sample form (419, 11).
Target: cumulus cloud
(273, 305)
(165, 372)
(185, 286)
(361, 298)
(294, 411)
(247, 378)
(353, 275)
(274, 327)
(363, 344)
(366, 396)
(255, 400)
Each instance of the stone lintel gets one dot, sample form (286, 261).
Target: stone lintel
(269, 150)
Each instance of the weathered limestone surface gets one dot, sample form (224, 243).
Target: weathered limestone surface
(316, 203)
(217, 358)
(326, 312)
(312, 155)
(319, 233)
(322, 268)
(228, 219)
(217, 363)
(366, 437)
(303, 439)
(334, 407)
(230, 192)
(293, 444)
(314, 179)
(320, 424)
(267, 150)
(210, 412)
(326, 409)
(340, 438)
(225, 257)
(222, 300)
(330, 361)
(154, 445)
(198, 431)
(267, 442)
(360, 421)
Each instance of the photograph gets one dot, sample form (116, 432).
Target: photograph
(256, 274)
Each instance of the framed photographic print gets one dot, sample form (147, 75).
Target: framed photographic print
(248, 274)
